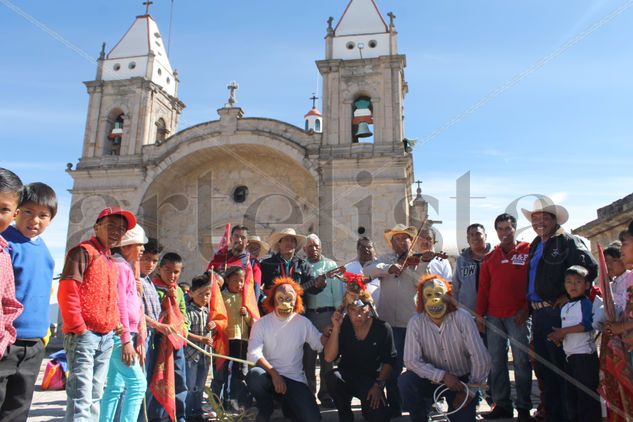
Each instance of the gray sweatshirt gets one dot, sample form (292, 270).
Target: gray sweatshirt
(465, 278)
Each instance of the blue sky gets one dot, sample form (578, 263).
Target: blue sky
(529, 97)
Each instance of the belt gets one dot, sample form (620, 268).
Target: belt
(323, 309)
(25, 342)
(539, 305)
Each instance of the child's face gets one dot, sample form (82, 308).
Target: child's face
(575, 285)
(615, 266)
(170, 272)
(236, 282)
(32, 219)
(185, 288)
(201, 296)
(148, 262)
(132, 253)
(8, 209)
(626, 251)
(110, 230)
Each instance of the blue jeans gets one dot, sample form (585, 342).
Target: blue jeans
(298, 398)
(122, 379)
(393, 393)
(88, 358)
(154, 409)
(417, 398)
(553, 384)
(196, 378)
(498, 332)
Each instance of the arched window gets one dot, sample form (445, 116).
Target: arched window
(115, 137)
(317, 125)
(362, 120)
(161, 131)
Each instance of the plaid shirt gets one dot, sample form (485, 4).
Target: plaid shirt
(151, 301)
(198, 320)
(10, 308)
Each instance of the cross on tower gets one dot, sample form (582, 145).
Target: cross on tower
(147, 4)
(314, 98)
(419, 182)
(232, 87)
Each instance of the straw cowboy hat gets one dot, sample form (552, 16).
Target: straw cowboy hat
(400, 229)
(277, 236)
(264, 246)
(547, 205)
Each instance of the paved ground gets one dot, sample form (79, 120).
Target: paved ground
(49, 406)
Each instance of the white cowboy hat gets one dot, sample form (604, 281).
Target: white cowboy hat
(135, 236)
(264, 246)
(400, 229)
(277, 236)
(547, 205)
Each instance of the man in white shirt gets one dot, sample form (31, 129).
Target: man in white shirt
(276, 346)
(366, 254)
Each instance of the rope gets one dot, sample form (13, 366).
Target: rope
(217, 355)
(442, 388)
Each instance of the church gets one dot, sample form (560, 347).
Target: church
(347, 173)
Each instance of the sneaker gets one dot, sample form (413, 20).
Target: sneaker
(499, 413)
(524, 416)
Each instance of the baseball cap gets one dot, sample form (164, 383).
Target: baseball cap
(129, 217)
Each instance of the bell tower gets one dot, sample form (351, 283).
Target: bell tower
(133, 99)
(363, 159)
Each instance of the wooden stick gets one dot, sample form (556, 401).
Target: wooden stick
(211, 355)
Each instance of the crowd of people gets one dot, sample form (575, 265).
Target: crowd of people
(395, 331)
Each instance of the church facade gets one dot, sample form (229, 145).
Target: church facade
(346, 174)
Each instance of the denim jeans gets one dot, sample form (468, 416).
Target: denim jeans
(498, 332)
(320, 320)
(393, 393)
(298, 399)
(127, 383)
(196, 378)
(88, 358)
(417, 398)
(553, 383)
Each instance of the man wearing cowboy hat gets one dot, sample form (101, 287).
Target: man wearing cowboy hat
(284, 262)
(551, 253)
(398, 276)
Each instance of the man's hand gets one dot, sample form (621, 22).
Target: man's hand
(375, 396)
(337, 319)
(128, 355)
(521, 317)
(119, 330)
(481, 324)
(561, 301)
(320, 281)
(243, 311)
(395, 269)
(278, 382)
(452, 382)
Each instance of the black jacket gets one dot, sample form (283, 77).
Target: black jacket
(559, 253)
(301, 272)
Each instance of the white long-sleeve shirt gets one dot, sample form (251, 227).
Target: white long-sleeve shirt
(397, 294)
(454, 347)
(280, 342)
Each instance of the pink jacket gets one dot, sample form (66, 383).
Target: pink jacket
(129, 301)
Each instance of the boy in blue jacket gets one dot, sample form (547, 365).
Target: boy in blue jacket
(33, 268)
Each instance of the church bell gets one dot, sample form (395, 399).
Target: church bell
(363, 131)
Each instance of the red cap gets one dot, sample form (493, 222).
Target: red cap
(131, 219)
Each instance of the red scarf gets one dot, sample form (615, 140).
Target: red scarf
(163, 383)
